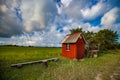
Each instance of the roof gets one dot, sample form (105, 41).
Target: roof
(72, 38)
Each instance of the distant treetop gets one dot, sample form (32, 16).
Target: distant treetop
(76, 30)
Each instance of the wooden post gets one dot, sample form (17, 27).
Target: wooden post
(45, 63)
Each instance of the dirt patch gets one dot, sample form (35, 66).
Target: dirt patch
(98, 77)
(116, 73)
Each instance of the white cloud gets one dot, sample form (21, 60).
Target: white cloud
(66, 2)
(26, 39)
(65, 28)
(26, 16)
(71, 8)
(94, 11)
(39, 15)
(84, 26)
(52, 37)
(81, 10)
(3, 8)
(116, 27)
(110, 17)
(88, 27)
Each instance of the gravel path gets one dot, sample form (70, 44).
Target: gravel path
(114, 76)
(116, 73)
(98, 77)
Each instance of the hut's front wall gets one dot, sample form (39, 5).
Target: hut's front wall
(69, 53)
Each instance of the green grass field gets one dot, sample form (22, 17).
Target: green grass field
(101, 68)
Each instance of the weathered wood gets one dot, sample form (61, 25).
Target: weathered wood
(45, 62)
(93, 53)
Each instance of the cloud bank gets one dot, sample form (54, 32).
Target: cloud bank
(46, 22)
(25, 16)
(110, 17)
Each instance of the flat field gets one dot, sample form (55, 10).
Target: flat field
(105, 67)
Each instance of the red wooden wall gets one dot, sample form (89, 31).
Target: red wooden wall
(69, 53)
(80, 48)
(76, 50)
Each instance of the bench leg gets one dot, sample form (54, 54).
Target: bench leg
(45, 64)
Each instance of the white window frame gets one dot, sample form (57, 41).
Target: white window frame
(67, 47)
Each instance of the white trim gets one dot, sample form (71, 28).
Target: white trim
(67, 47)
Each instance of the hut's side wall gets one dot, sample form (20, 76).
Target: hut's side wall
(80, 48)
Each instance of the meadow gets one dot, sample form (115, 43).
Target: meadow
(102, 68)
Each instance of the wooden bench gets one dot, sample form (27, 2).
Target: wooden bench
(44, 62)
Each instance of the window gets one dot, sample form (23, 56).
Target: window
(67, 46)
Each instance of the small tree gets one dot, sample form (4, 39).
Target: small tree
(76, 30)
(107, 38)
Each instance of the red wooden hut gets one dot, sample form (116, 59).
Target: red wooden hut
(73, 46)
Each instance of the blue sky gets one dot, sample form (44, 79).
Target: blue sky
(46, 22)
